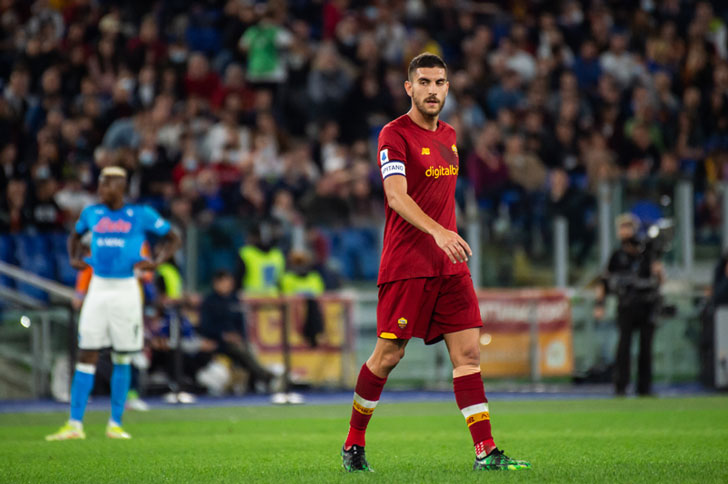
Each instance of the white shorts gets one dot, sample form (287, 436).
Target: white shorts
(111, 315)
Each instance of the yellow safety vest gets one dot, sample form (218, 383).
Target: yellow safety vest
(263, 270)
(172, 280)
(309, 285)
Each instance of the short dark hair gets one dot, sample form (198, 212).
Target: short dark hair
(221, 274)
(426, 59)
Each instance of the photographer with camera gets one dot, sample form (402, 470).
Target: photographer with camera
(634, 275)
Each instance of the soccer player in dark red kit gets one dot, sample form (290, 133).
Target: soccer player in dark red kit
(425, 289)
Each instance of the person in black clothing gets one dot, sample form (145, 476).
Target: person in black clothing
(576, 206)
(634, 275)
(719, 291)
(706, 339)
(221, 320)
(15, 213)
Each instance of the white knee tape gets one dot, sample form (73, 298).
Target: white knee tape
(120, 358)
(465, 370)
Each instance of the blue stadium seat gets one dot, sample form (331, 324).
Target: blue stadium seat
(510, 198)
(33, 252)
(647, 211)
(65, 274)
(356, 251)
(7, 254)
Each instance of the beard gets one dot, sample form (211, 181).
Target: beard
(427, 110)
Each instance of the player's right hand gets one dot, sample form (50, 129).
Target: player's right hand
(145, 265)
(453, 245)
(599, 313)
(79, 264)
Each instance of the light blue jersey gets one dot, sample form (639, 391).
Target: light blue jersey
(117, 236)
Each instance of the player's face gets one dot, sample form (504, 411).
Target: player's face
(225, 285)
(111, 189)
(625, 231)
(428, 90)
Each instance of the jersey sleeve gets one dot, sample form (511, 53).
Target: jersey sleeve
(83, 224)
(392, 153)
(153, 222)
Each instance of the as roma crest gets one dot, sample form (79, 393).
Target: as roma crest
(402, 322)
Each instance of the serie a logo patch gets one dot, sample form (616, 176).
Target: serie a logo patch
(402, 322)
(384, 156)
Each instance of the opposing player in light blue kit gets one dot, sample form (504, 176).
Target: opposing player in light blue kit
(111, 315)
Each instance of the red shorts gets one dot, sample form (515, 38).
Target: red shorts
(427, 307)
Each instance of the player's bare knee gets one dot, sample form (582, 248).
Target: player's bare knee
(384, 359)
(390, 360)
(469, 356)
(384, 363)
(89, 357)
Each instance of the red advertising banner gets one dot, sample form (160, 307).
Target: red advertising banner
(522, 325)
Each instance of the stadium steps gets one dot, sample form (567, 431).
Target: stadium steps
(15, 377)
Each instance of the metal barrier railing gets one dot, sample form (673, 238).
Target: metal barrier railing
(51, 287)
(37, 317)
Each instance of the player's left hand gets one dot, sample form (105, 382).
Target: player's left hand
(145, 265)
(79, 264)
(453, 245)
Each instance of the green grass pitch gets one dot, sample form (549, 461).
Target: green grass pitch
(611, 440)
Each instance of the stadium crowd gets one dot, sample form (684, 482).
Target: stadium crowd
(271, 109)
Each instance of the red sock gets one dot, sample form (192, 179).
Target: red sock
(366, 396)
(470, 397)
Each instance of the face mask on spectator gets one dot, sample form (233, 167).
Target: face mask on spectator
(190, 164)
(127, 84)
(43, 172)
(178, 56)
(147, 157)
(85, 177)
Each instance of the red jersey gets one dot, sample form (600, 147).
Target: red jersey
(429, 160)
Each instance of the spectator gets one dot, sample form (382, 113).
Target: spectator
(507, 94)
(525, 169)
(147, 48)
(227, 140)
(301, 279)
(328, 85)
(619, 62)
(264, 44)
(233, 84)
(47, 215)
(15, 215)
(641, 157)
(326, 206)
(16, 92)
(487, 169)
(221, 321)
(586, 66)
(72, 198)
(200, 81)
(261, 263)
(9, 166)
(577, 208)
(599, 160)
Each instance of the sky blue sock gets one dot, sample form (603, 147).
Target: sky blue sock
(120, 383)
(83, 383)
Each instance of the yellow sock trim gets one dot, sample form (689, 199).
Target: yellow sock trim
(478, 417)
